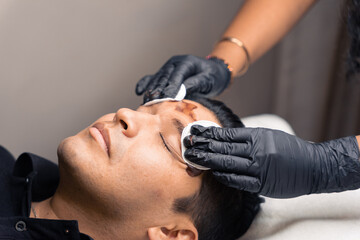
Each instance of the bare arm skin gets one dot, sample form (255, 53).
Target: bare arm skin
(259, 24)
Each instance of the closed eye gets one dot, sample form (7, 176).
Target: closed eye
(171, 150)
(164, 142)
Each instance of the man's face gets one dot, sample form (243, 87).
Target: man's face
(129, 159)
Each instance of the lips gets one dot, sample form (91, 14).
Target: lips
(101, 135)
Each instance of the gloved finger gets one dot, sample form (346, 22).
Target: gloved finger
(148, 94)
(180, 73)
(154, 90)
(210, 145)
(142, 84)
(224, 134)
(193, 140)
(199, 84)
(219, 162)
(241, 182)
(163, 80)
(188, 141)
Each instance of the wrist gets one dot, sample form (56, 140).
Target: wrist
(340, 170)
(231, 54)
(235, 52)
(358, 141)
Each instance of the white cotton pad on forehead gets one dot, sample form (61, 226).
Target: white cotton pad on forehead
(186, 132)
(179, 96)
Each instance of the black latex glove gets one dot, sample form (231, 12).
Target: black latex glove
(274, 163)
(201, 77)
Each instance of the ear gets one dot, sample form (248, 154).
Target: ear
(167, 233)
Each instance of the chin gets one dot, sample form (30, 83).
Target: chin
(78, 153)
(72, 160)
(66, 149)
(77, 169)
(70, 148)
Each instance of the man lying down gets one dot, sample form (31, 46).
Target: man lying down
(121, 178)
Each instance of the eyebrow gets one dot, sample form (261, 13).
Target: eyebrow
(176, 122)
(178, 125)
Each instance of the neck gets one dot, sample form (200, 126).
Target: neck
(95, 225)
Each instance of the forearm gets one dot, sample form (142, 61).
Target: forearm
(259, 24)
(338, 165)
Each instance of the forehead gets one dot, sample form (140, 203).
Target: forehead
(185, 110)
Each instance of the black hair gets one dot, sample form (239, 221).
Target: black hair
(352, 13)
(219, 212)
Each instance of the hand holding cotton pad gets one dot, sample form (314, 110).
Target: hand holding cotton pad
(186, 132)
(179, 96)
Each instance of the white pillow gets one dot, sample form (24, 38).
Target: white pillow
(310, 217)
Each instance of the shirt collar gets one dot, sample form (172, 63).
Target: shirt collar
(41, 178)
(43, 173)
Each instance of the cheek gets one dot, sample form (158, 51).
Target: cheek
(149, 167)
(147, 174)
(165, 179)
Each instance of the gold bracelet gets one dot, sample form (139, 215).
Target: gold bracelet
(239, 43)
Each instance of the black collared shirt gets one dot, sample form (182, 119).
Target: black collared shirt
(30, 178)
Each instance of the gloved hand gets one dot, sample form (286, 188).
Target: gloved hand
(201, 77)
(274, 163)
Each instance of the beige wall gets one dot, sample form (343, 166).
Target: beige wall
(65, 63)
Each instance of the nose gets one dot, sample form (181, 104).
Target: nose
(129, 120)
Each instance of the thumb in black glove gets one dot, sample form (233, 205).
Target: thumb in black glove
(201, 77)
(274, 163)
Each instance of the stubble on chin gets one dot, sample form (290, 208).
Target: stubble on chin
(68, 150)
(65, 148)
(71, 164)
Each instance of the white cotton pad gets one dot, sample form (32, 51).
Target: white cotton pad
(186, 132)
(179, 96)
